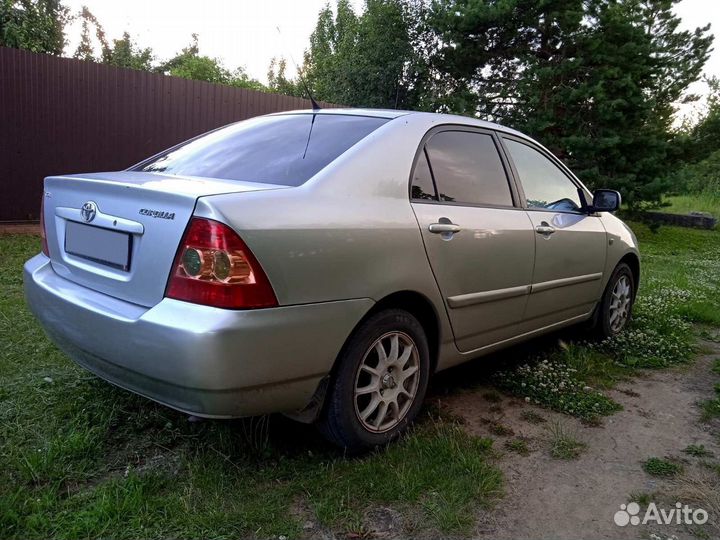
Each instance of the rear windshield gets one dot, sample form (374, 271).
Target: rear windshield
(285, 149)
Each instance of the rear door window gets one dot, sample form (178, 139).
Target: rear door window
(467, 168)
(284, 149)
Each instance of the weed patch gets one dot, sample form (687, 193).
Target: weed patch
(553, 384)
(532, 417)
(661, 467)
(501, 430)
(519, 446)
(711, 407)
(642, 498)
(492, 397)
(698, 451)
(563, 443)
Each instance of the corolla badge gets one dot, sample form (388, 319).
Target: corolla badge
(157, 213)
(88, 211)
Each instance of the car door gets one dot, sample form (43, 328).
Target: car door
(479, 242)
(570, 244)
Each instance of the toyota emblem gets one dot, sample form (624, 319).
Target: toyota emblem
(88, 211)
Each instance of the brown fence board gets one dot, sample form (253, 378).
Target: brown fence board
(62, 116)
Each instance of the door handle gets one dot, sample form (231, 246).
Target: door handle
(545, 229)
(440, 228)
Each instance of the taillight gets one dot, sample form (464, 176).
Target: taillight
(213, 266)
(43, 234)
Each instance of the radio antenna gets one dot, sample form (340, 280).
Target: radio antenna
(315, 105)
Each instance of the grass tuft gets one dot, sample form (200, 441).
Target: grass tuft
(519, 446)
(642, 498)
(661, 467)
(532, 417)
(492, 397)
(698, 451)
(711, 407)
(563, 443)
(501, 430)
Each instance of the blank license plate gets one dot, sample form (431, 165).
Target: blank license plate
(103, 246)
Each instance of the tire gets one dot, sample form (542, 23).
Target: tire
(395, 391)
(606, 322)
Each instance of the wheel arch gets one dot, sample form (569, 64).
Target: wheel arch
(633, 261)
(415, 303)
(421, 308)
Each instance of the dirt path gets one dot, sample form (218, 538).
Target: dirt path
(551, 498)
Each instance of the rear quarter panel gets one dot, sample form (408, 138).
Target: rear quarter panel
(349, 232)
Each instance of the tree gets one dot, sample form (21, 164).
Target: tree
(384, 56)
(705, 135)
(189, 64)
(35, 25)
(367, 60)
(126, 54)
(85, 49)
(594, 80)
(699, 148)
(279, 82)
(328, 61)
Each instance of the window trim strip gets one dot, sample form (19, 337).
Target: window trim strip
(515, 194)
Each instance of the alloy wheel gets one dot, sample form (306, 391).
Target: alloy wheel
(620, 304)
(386, 382)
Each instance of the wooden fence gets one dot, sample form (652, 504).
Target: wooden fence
(61, 115)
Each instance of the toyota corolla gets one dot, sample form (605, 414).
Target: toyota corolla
(324, 264)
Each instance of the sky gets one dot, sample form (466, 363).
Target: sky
(239, 32)
(243, 32)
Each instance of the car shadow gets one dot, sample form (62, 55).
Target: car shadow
(292, 438)
(480, 371)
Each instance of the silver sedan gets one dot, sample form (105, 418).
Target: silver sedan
(324, 264)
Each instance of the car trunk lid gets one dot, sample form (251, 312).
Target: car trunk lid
(118, 232)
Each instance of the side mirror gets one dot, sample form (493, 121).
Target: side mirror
(606, 200)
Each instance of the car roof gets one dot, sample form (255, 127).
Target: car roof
(378, 113)
(432, 118)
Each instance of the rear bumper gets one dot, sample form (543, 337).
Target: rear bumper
(202, 360)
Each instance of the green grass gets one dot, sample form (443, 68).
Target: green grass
(500, 430)
(563, 443)
(83, 459)
(551, 381)
(518, 446)
(679, 287)
(681, 272)
(661, 467)
(532, 417)
(711, 407)
(642, 498)
(684, 204)
(698, 451)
